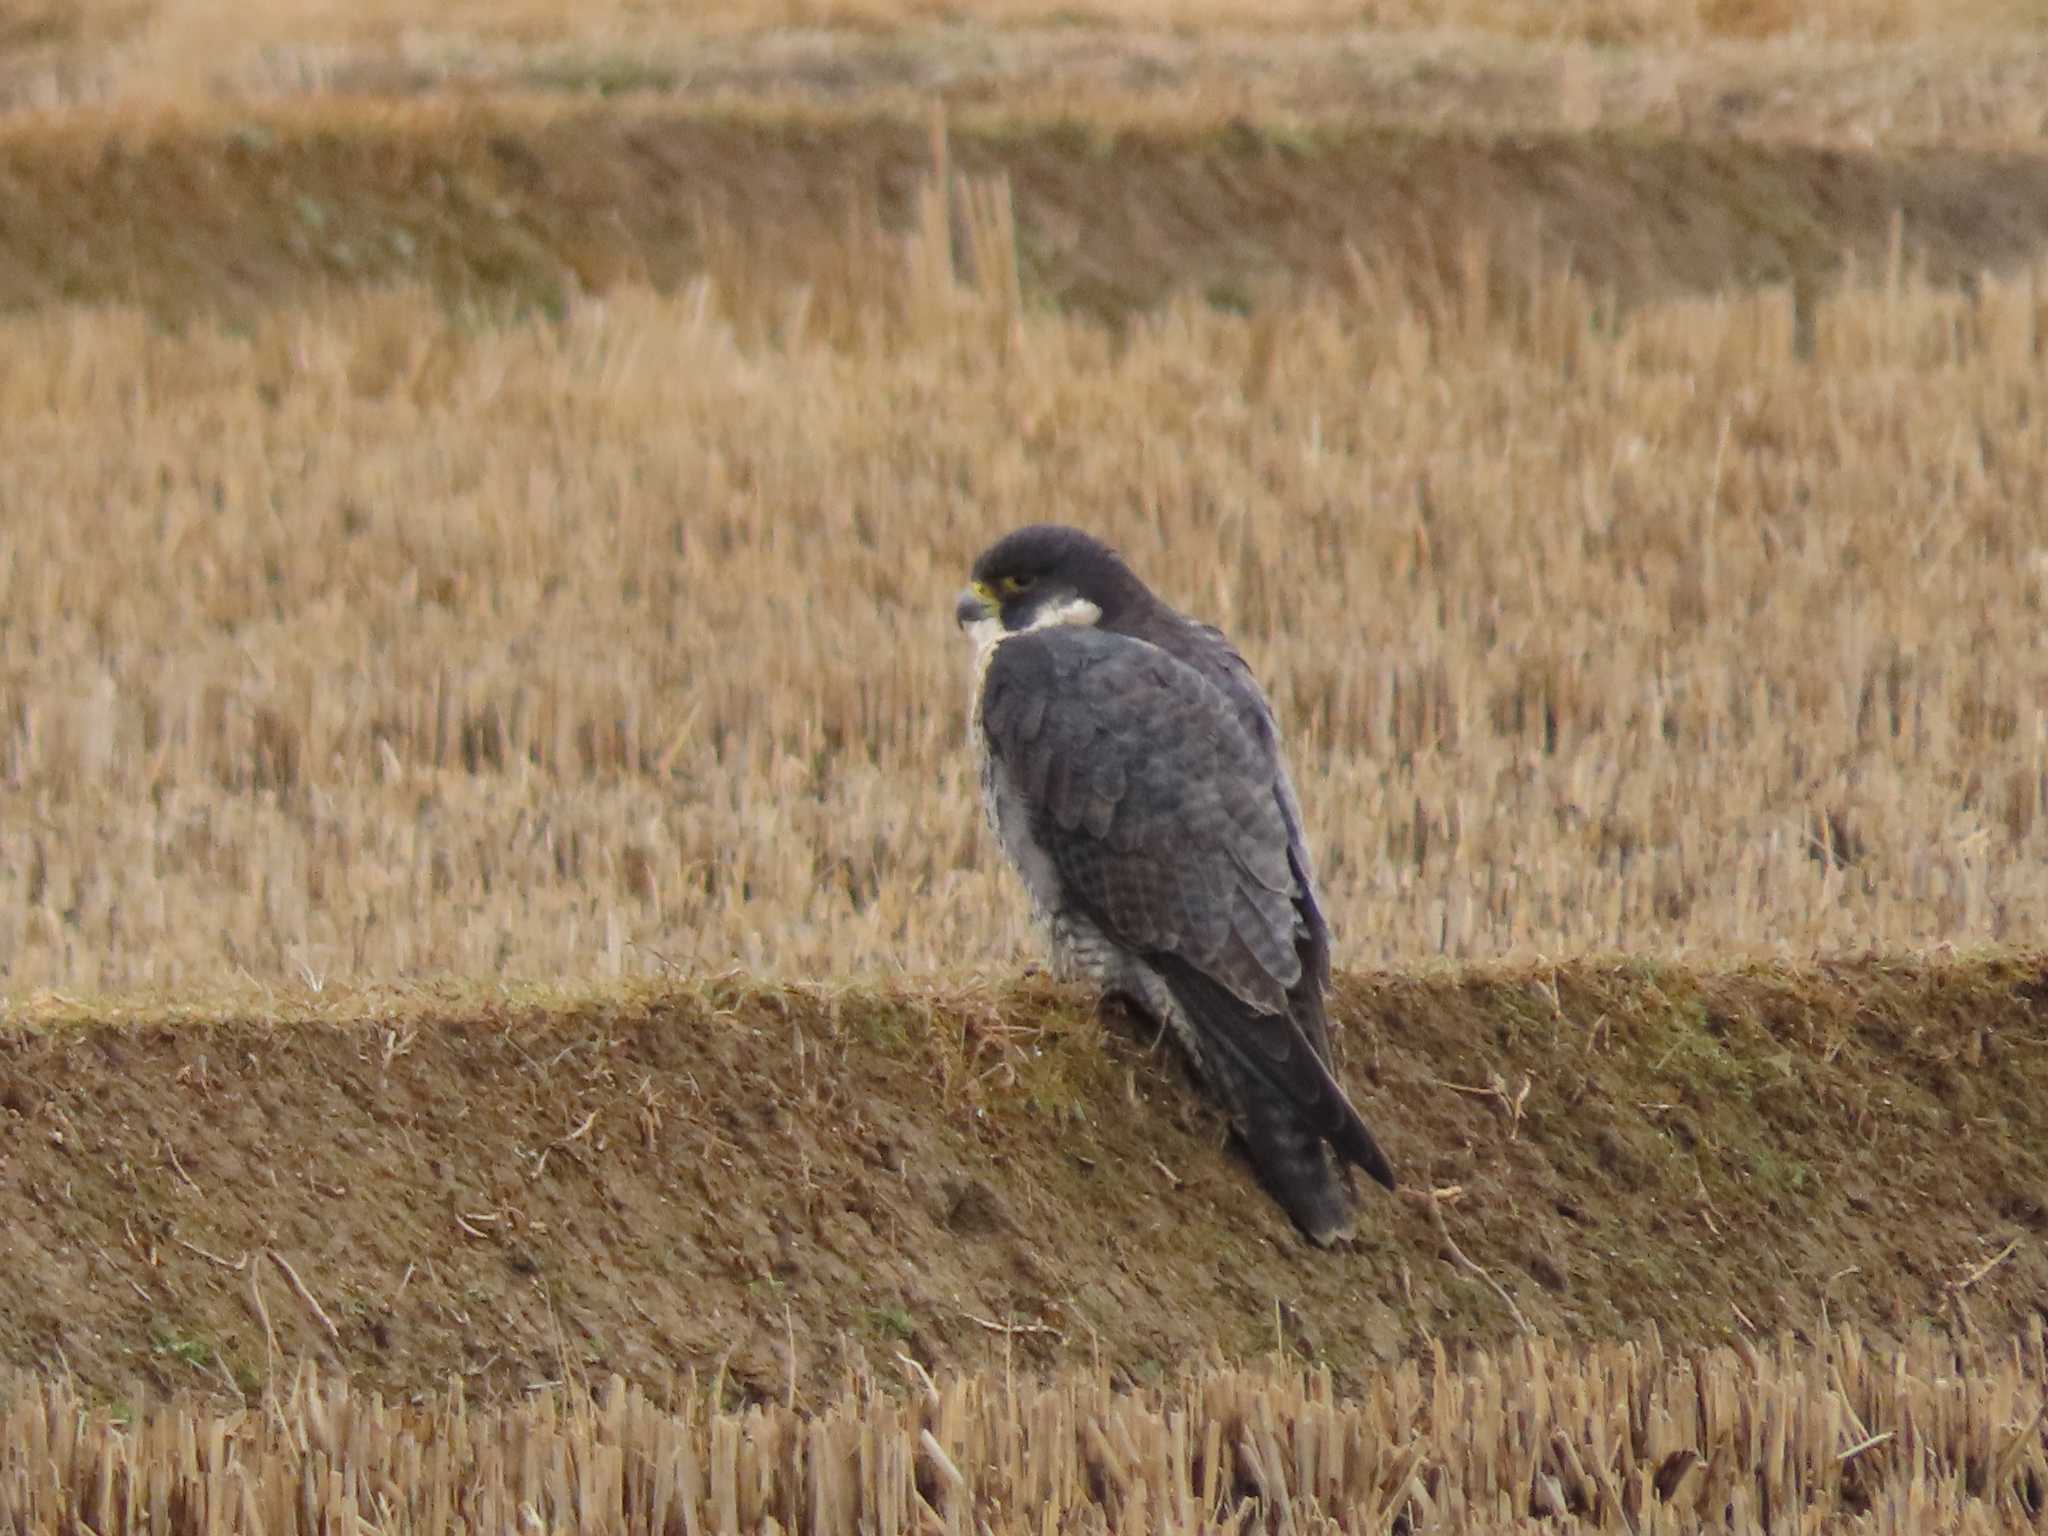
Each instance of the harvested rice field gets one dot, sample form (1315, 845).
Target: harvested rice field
(510, 1015)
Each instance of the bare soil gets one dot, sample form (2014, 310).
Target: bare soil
(773, 1183)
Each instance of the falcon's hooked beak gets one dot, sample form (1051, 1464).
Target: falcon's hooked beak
(976, 603)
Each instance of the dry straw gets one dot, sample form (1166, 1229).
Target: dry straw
(1643, 1438)
(140, 47)
(1847, 72)
(367, 641)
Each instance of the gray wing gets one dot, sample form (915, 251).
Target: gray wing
(1160, 813)
(1256, 714)
(1209, 651)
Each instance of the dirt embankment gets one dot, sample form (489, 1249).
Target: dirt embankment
(483, 201)
(651, 1181)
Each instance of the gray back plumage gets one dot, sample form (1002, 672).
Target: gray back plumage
(1154, 802)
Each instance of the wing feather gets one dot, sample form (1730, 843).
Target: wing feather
(1209, 651)
(1157, 806)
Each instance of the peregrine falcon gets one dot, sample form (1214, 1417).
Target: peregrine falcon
(1133, 772)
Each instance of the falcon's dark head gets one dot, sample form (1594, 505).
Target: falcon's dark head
(1048, 574)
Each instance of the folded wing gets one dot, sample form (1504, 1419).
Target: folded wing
(1172, 828)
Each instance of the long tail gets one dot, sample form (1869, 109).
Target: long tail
(1285, 1100)
(1345, 1128)
(1291, 1162)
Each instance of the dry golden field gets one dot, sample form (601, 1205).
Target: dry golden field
(530, 22)
(357, 641)
(492, 886)
(1644, 1439)
(1927, 72)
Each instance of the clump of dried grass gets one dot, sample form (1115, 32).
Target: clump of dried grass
(362, 642)
(1637, 1437)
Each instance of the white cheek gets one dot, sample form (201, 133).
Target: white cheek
(1075, 610)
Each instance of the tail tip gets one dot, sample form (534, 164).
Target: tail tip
(1340, 1233)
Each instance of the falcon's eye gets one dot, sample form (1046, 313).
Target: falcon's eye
(1018, 583)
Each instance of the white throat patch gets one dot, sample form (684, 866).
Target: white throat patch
(985, 635)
